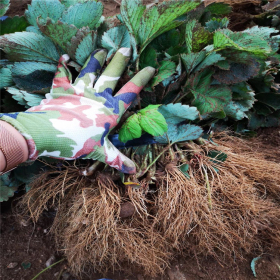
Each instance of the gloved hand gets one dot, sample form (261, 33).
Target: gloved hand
(75, 119)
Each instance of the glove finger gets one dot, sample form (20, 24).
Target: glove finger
(116, 159)
(63, 77)
(90, 71)
(131, 89)
(108, 80)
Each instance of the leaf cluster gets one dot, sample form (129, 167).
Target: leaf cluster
(227, 76)
(149, 120)
(24, 174)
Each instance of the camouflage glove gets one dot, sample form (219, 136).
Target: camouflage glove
(75, 119)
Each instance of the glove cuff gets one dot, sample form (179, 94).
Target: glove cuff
(11, 149)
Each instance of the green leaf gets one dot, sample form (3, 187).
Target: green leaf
(263, 109)
(9, 180)
(84, 14)
(24, 98)
(175, 50)
(115, 38)
(241, 41)
(165, 70)
(6, 78)
(4, 6)
(162, 42)
(237, 109)
(191, 60)
(33, 76)
(223, 64)
(152, 121)
(256, 121)
(26, 172)
(201, 80)
(180, 133)
(34, 29)
(184, 169)
(44, 8)
(6, 192)
(195, 62)
(207, 98)
(83, 47)
(271, 99)
(217, 157)
(177, 113)
(189, 34)
(197, 37)
(242, 91)
(218, 115)
(212, 99)
(61, 33)
(219, 8)
(28, 46)
(216, 23)
(264, 32)
(238, 72)
(8, 185)
(243, 100)
(131, 129)
(148, 58)
(145, 24)
(209, 60)
(243, 66)
(26, 265)
(68, 3)
(135, 53)
(14, 24)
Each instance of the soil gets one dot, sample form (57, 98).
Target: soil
(18, 7)
(23, 244)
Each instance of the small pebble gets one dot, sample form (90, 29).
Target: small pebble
(140, 277)
(50, 261)
(12, 265)
(66, 275)
(201, 274)
(24, 223)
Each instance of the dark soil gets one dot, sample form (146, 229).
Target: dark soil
(18, 7)
(24, 243)
(270, 136)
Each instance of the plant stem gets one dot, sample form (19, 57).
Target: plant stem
(154, 161)
(200, 141)
(181, 97)
(180, 153)
(46, 269)
(152, 170)
(262, 15)
(60, 273)
(208, 187)
(137, 63)
(118, 2)
(90, 170)
(171, 154)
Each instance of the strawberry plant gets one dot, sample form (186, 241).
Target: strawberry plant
(206, 76)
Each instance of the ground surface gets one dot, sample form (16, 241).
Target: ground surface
(23, 244)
